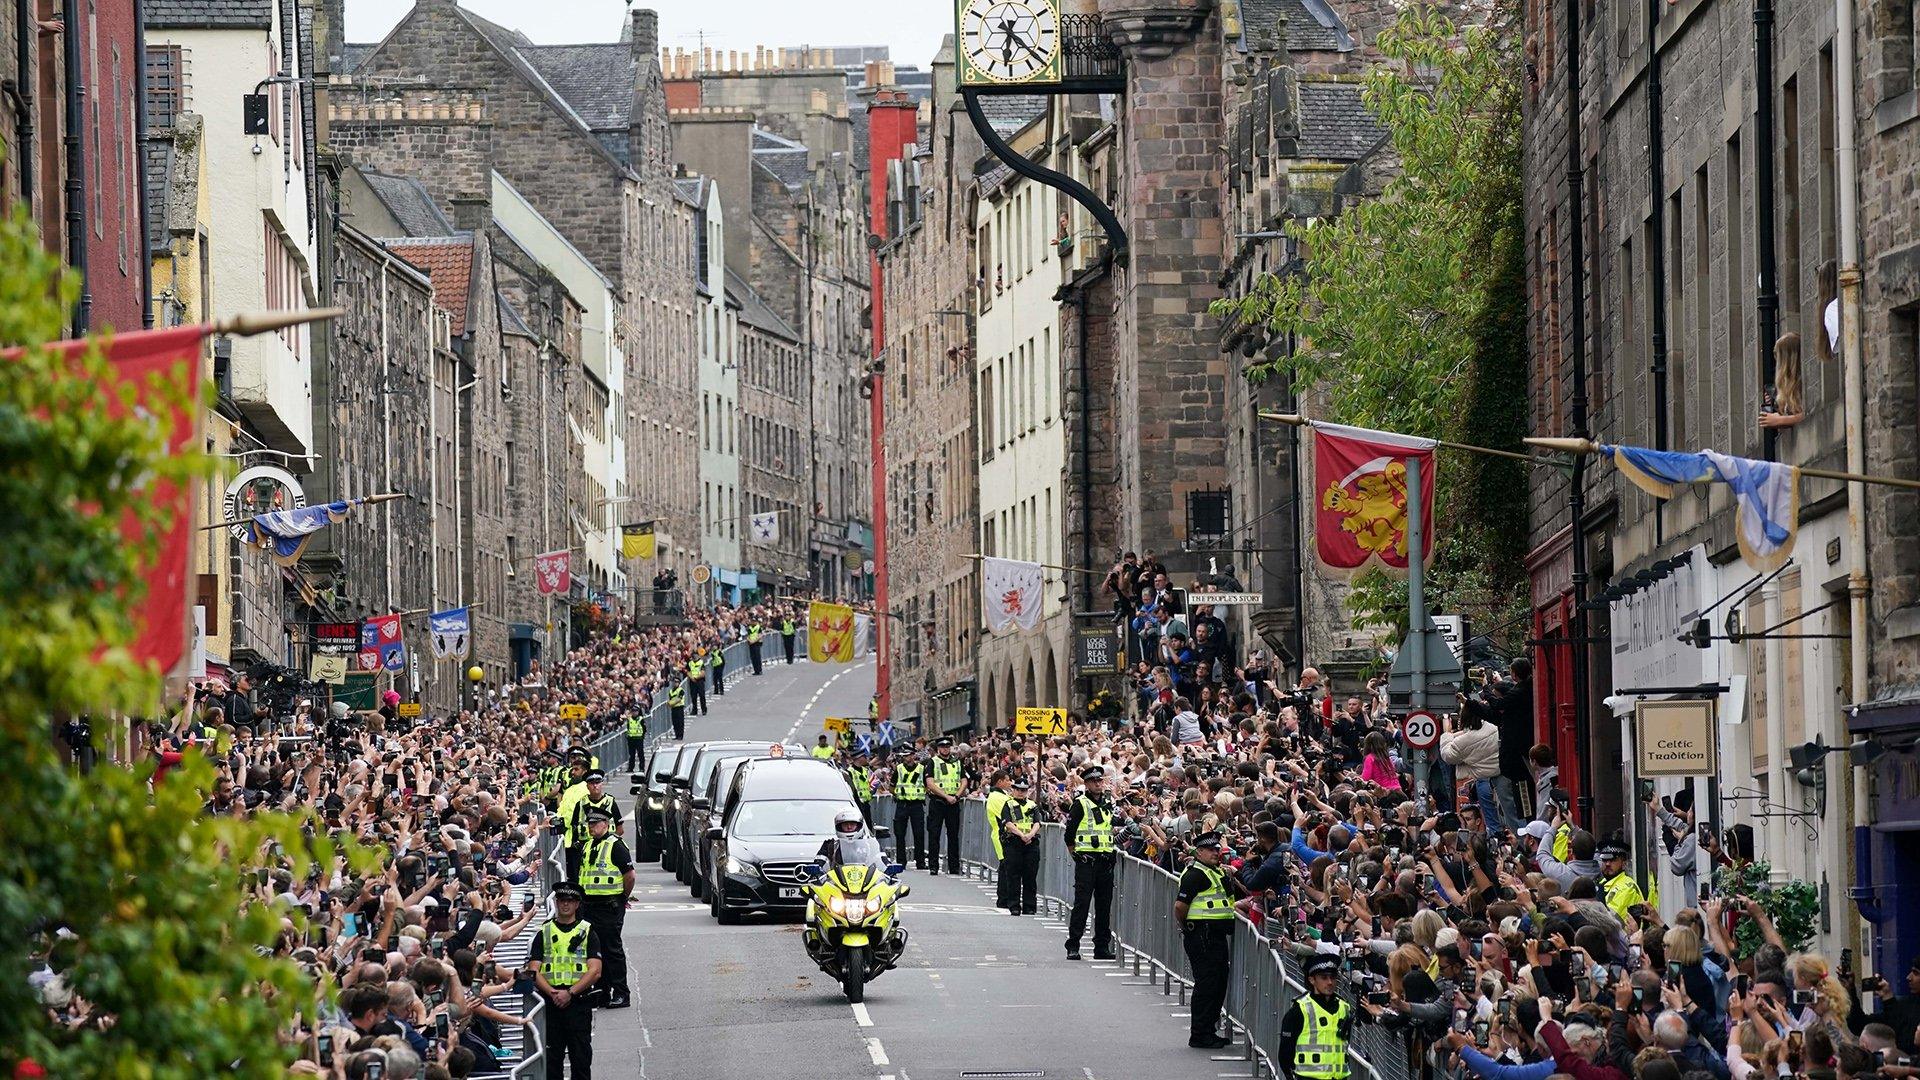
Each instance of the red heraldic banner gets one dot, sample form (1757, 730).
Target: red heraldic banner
(554, 571)
(1360, 497)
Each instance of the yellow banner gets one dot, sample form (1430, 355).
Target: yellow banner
(829, 633)
(1040, 722)
(573, 712)
(636, 541)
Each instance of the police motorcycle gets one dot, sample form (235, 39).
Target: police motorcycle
(853, 931)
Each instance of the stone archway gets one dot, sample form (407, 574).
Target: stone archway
(1055, 689)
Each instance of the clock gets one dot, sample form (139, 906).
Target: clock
(1008, 42)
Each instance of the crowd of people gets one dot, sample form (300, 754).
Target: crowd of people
(460, 808)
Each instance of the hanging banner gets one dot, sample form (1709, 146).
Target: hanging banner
(1360, 500)
(637, 541)
(554, 570)
(765, 527)
(450, 633)
(829, 633)
(1011, 593)
(381, 648)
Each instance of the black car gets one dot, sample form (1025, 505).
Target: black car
(776, 815)
(710, 785)
(678, 791)
(649, 793)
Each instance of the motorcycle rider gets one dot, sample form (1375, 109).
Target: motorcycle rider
(851, 843)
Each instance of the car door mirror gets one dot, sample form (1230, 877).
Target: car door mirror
(661, 778)
(716, 833)
(702, 804)
(905, 891)
(881, 832)
(814, 871)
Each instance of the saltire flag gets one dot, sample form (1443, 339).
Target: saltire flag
(450, 632)
(883, 734)
(636, 541)
(159, 376)
(1360, 497)
(1766, 493)
(381, 648)
(829, 633)
(1013, 592)
(286, 533)
(554, 569)
(863, 744)
(765, 527)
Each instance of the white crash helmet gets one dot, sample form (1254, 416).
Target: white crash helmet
(849, 823)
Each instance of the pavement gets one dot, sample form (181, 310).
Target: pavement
(978, 993)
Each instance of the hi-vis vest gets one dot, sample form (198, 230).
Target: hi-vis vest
(598, 875)
(1095, 833)
(1321, 1053)
(1621, 893)
(822, 752)
(1021, 812)
(949, 774)
(696, 668)
(753, 634)
(719, 659)
(577, 816)
(563, 957)
(1214, 902)
(677, 696)
(786, 627)
(910, 783)
(636, 726)
(996, 806)
(862, 783)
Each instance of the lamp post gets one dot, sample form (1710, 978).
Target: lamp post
(474, 675)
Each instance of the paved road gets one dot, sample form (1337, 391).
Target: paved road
(978, 991)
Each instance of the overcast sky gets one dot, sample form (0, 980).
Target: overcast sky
(913, 29)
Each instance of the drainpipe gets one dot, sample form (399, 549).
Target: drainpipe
(25, 30)
(76, 145)
(1767, 299)
(1577, 490)
(1657, 251)
(1859, 584)
(140, 161)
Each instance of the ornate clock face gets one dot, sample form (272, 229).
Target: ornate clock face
(1010, 41)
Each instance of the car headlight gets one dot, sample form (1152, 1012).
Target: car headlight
(736, 866)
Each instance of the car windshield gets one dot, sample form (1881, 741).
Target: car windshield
(787, 817)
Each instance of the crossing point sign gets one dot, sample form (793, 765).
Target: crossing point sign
(573, 712)
(1040, 722)
(836, 723)
(1421, 729)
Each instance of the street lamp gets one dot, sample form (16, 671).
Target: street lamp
(474, 675)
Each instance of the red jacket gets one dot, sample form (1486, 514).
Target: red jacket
(1571, 1063)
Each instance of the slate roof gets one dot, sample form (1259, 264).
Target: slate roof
(596, 79)
(353, 54)
(688, 188)
(1334, 122)
(407, 200)
(754, 311)
(1008, 113)
(784, 158)
(449, 262)
(209, 14)
(1311, 25)
(159, 163)
(510, 320)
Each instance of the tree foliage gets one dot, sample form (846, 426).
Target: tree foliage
(1409, 310)
(140, 902)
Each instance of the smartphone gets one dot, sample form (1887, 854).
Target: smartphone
(1480, 1031)
(1380, 997)
(1742, 985)
(1804, 997)
(1673, 975)
(1646, 790)
(441, 1026)
(1796, 1043)
(323, 1049)
(350, 924)
(376, 1070)
(439, 948)
(1460, 1021)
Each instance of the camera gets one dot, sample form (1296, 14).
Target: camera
(1804, 997)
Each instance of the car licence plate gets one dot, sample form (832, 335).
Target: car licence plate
(789, 894)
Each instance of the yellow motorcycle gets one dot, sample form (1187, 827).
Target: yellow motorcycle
(853, 929)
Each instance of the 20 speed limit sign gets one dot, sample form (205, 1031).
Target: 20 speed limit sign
(1422, 730)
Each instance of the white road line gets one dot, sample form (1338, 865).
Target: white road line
(861, 1016)
(804, 713)
(877, 1052)
(1228, 1057)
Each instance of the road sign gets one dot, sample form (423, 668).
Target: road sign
(1097, 650)
(1040, 722)
(573, 712)
(836, 723)
(1444, 673)
(1422, 730)
(410, 708)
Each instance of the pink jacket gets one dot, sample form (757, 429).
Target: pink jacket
(1375, 771)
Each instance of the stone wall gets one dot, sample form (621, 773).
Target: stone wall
(484, 496)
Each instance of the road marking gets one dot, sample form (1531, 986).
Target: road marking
(1228, 1057)
(802, 718)
(877, 1052)
(861, 1016)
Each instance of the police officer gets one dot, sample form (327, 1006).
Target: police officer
(677, 704)
(697, 682)
(551, 778)
(1314, 1033)
(636, 737)
(1203, 908)
(572, 790)
(822, 749)
(719, 669)
(996, 804)
(786, 635)
(606, 877)
(861, 774)
(947, 785)
(566, 964)
(1617, 886)
(754, 633)
(1020, 841)
(594, 798)
(1089, 836)
(910, 809)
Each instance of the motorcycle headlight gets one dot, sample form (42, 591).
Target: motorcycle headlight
(852, 907)
(736, 866)
(837, 905)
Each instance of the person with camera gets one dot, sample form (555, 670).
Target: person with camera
(1897, 1010)
(1203, 909)
(1507, 704)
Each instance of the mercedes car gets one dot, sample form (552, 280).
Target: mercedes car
(776, 814)
(679, 797)
(712, 775)
(649, 791)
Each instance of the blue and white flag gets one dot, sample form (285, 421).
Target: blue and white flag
(863, 744)
(286, 532)
(1767, 493)
(883, 734)
(451, 633)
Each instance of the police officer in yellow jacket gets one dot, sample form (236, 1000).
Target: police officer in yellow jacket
(755, 632)
(947, 785)
(910, 809)
(787, 630)
(1314, 1033)
(677, 705)
(1617, 886)
(1203, 909)
(860, 774)
(996, 805)
(566, 965)
(1020, 844)
(697, 682)
(1089, 836)
(606, 877)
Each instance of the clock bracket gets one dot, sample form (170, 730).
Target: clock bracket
(1040, 174)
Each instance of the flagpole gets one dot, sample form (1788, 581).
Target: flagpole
(368, 500)
(1297, 420)
(1048, 566)
(1588, 446)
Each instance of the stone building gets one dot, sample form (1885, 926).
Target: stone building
(722, 519)
(932, 459)
(773, 439)
(1676, 358)
(589, 149)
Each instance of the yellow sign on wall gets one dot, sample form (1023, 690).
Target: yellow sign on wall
(1040, 722)
(410, 708)
(573, 712)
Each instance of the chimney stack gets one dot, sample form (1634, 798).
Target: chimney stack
(646, 33)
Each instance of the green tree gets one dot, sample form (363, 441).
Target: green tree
(1410, 310)
(151, 900)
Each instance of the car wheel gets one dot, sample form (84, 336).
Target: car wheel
(726, 916)
(642, 851)
(669, 859)
(699, 887)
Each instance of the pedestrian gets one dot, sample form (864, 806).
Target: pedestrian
(719, 668)
(996, 807)
(754, 633)
(677, 705)
(947, 785)
(786, 634)
(1314, 1033)
(861, 776)
(697, 681)
(1020, 865)
(606, 879)
(1203, 908)
(636, 737)
(566, 964)
(910, 809)
(1089, 836)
